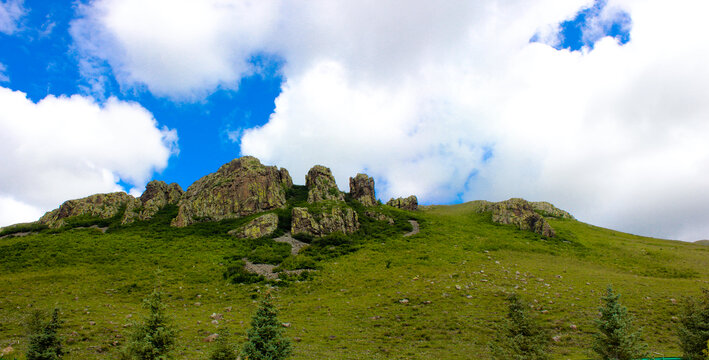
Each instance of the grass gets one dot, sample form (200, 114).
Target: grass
(375, 294)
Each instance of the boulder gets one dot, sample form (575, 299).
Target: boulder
(547, 209)
(239, 188)
(321, 185)
(157, 195)
(336, 219)
(521, 213)
(409, 203)
(362, 189)
(103, 206)
(261, 226)
(379, 216)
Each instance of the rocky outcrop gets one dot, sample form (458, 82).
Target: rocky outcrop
(264, 225)
(362, 189)
(337, 219)
(157, 195)
(241, 187)
(547, 209)
(321, 185)
(521, 213)
(379, 216)
(409, 203)
(103, 206)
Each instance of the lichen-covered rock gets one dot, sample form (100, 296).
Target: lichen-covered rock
(157, 195)
(104, 206)
(362, 189)
(547, 209)
(241, 187)
(321, 185)
(521, 213)
(408, 203)
(337, 219)
(379, 216)
(261, 226)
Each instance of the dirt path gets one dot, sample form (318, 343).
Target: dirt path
(295, 244)
(415, 230)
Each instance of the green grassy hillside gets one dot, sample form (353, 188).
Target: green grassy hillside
(454, 276)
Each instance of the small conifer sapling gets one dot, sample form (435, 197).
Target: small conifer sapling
(616, 339)
(265, 338)
(44, 340)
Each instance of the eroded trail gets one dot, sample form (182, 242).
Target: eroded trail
(415, 230)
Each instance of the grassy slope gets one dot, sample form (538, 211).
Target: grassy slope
(351, 309)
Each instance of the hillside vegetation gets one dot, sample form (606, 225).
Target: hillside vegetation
(374, 294)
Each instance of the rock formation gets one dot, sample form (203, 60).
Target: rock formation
(261, 226)
(337, 219)
(409, 203)
(362, 189)
(241, 187)
(321, 185)
(547, 209)
(157, 195)
(103, 206)
(521, 213)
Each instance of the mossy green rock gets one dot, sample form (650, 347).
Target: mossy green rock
(102, 206)
(157, 195)
(321, 185)
(362, 189)
(521, 213)
(408, 203)
(549, 210)
(336, 219)
(241, 187)
(264, 225)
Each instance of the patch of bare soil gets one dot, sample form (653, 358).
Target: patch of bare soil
(415, 230)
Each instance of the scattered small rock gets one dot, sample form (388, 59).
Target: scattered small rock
(216, 316)
(285, 325)
(404, 301)
(573, 327)
(210, 338)
(92, 323)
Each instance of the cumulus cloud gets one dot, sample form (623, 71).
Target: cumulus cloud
(11, 11)
(450, 100)
(68, 147)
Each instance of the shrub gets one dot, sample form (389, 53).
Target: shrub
(154, 337)
(693, 331)
(616, 339)
(44, 342)
(237, 274)
(266, 341)
(223, 350)
(520, 336)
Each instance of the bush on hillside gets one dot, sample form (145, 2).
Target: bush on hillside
(44, 342)
(154, 337)
(520, 337)
(266, 340)
(693, 331)
(616, 339)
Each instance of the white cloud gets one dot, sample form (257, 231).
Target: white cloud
(415, 93)
(11, 11)
(68, 147)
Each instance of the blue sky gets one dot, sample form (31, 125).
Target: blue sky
(452, 102)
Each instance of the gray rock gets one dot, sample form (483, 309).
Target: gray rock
(362, 189)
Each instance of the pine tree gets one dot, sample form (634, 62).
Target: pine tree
(266, 340)
(153, 338)
(693, 331)
(616, 339)
(520, 337)
(706, 351)
(44, 342)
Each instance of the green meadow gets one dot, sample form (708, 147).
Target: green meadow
(373, 295)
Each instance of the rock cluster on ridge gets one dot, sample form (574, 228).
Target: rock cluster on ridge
(408, 203)
(362, 189)
(157, 195)
(241, 187)
(264, 225)
(321, 185)
(104, 206)
(524, 214)
(331, 213)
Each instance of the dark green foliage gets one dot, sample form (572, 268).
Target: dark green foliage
(520, 337)
(693, 331)
(153, 338)
(223, 350)
(44, 342)
(236, 274)
(266, 340)
(616, 339)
